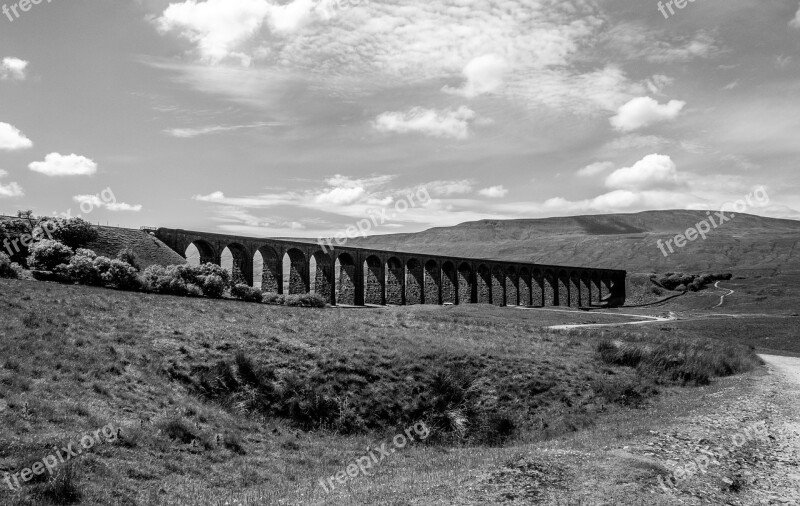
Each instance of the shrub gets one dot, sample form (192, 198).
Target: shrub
(46, 255)
(91, 255)
(128, 256)
(273, 298)
(82, 269)
(213, 286)
(246, 293)
(73, 232)
(306, 300)
(7, 269)
(122, 276)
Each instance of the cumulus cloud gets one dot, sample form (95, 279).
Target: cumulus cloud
(651, 172)
(494, 192)
(795, 23)
(13, 68)
(483, 74)
(56, 164)
(96, 201)
(11, 139)
(595, 169)
(644, 111)
(10, 189)
(448, 123)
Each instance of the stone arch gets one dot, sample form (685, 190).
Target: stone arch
(414, 282)
(323, 278)
(574, 289)
(484, 284)
(395, 281)
(512, 287)
(296, 265)
(605, 282)
(199, 252)
(563, 288)
(465, 284)
(597, 288)
(550, 288)
(586, 289)
(345, 279)
(269, 269)
(498, 286)
(537, 288)
(525, 298)
(373, 280)
(433, 283)
(238, 262)
(449, 283)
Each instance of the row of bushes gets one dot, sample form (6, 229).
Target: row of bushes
(681, 282)
(249, 294)
(9, 269)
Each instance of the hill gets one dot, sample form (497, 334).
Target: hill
(149, 249)
(620, 241)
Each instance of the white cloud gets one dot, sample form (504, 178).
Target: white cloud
(483, 74)
(494, 192)
(12, 139)
(595, 168)
(10, 189)
(447, 188)
(56, 164)
(795, 23)
(13, 68)
(644, 111)
(96, 201)
(188, 133)
(449, 123)
(651, 172)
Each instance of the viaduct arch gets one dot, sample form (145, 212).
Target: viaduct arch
(359, 276)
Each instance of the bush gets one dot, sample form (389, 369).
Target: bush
(82, 269)
(46, 255)
(122, 276)
(213, 286)
(246, 293)
(128, 256)
(7, 269)
(305, 300)
(273, 298)
(72, 232)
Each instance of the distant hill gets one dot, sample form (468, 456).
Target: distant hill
(620, 241)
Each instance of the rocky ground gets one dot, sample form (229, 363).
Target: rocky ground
(739, 446)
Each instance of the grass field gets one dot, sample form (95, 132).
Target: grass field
(74, 359)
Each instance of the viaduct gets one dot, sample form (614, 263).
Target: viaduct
(359, 276)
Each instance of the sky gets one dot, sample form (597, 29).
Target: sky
(300, 118)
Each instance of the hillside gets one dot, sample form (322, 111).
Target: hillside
(148, 249)
(620, 241)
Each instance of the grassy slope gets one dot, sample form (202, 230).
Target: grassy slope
(76, 358)
(149, 249)
(619, 241)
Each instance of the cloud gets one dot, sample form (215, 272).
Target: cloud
(10, 189)
(795, 23)
(12, 139)
(448, 188)
(595, 169)
(13, 68)
(448, 123)
(96, 201)
(188, 133)
(494, 192)
(483, 74)
(56, 164)
(651, 172)
(644, 111)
